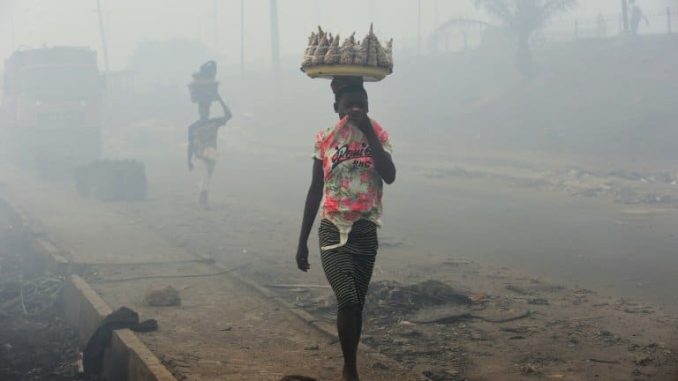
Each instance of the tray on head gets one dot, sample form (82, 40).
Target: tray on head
(369, 73)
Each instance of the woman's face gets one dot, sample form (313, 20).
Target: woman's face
(353, 104)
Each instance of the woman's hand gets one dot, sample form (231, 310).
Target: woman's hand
(302, 258)
(359, 117)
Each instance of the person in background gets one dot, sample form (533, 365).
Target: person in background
(637, 16)
(202, 144)
(601, 26)
(351, 162)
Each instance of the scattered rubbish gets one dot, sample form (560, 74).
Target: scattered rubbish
(411, 333)
(297, 378)
(428, 293)
(643, 360)
(455, 318)
(529, 369)
(31, 297)
(112, 180)
(518, 290)
(36, 343)
(391, 302)
(638, 310)
(586, 318)
(657, 177)
(479, 298)
(538, 301)
(603, 361)
(456, 262)
(296, 286)
(532, 363)
(166, 296)
(176, 276)
(626, 175)
(380, 366)
(442, 375)
(518, 330)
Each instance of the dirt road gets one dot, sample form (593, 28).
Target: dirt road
(222, 330)
(592, 319)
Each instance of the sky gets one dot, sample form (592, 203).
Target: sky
(35, 23)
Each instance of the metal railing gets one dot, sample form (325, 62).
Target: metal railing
(609, 25)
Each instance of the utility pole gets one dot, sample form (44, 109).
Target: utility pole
(625, 16)
(275, 38)
(242, 35)
(668, 20)
(419, 27)
(215, 20)
(12, 36)
(104, 43)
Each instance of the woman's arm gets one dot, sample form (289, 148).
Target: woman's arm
(190, 147)
(226, 110)
(383, 162)
(313, 199)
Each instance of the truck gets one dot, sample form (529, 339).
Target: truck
(50, 111)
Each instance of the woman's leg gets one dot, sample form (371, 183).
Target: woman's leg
(363, 244)
(338, 268)
(363, 267)
(349, 275)
(207, 169)
(348, 328)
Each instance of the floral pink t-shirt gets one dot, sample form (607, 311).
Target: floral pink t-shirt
(353, 188)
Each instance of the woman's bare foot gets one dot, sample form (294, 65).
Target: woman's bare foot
(350, 375)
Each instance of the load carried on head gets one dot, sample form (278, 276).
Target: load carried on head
(204, 87)
(325, 57)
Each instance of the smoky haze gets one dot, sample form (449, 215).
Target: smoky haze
(127, 23)
(537, 179)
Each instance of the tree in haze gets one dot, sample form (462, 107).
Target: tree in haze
(522, 18)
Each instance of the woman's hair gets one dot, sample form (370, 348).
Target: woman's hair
(343, 85)
(348, 90)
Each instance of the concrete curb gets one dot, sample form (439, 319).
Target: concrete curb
(126, 358)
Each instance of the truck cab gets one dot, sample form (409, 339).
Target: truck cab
(51, 107)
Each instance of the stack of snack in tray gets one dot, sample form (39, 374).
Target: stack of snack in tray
(326, 50)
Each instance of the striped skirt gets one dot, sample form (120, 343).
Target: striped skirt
(349, 268)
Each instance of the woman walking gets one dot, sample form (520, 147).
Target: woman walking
(351, 162)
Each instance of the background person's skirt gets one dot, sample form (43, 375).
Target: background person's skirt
(349, 268)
